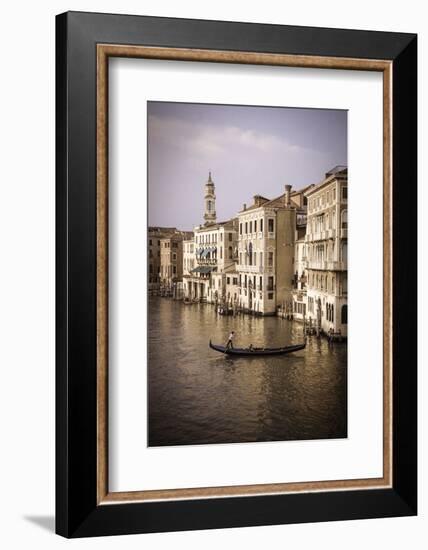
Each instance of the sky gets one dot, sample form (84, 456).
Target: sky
(249, 151)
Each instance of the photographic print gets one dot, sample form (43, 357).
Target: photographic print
(247, 274)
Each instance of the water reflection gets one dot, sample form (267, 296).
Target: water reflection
(198, 396)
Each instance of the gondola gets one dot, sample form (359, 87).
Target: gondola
(256, 352)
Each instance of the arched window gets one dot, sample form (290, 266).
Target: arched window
(344, 315)
(250, 253)
(230, 253)
(332, 313)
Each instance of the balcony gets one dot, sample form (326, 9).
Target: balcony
(299, 294)
(205, 261)
(326, 265)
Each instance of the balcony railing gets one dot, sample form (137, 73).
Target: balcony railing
(326, 265)
(206, 261)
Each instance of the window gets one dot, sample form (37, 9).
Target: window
(235, 281)
(270, 225)
(270, 283)
(230, 253)
(230, 237)
(261, 225)
(255, 226)
(344, 219)
(240, 228)
(261, 259)
(344, 193)
(221, 252)
(344, 315)
(209, 206)
(250, 254)
(228, 280)
(261, 283)
(246, 227)
(251, 227)
(174, 269)
(270, 296)
(240, 258)
(174, 256)
(150, 242)
(270, 259)
(344, 252)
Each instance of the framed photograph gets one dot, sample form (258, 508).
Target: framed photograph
(236, 274)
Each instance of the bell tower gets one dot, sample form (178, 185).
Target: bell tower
(210, 214)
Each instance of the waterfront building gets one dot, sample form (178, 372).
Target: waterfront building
(171, 262)
(189, 260)
(326, 253)
(300, 277)
(298, 307)
(266, 242)
(155, 234)
(215, 255)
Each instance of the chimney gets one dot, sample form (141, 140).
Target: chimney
(244, 207)
(287, 195)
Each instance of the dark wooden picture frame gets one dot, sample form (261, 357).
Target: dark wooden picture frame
(84, 505)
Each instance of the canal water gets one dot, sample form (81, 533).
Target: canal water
(199, 396)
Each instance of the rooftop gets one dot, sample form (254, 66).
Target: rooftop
(337, 171)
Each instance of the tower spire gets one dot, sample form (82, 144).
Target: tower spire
(210, 213)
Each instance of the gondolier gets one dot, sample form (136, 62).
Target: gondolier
(229, 344)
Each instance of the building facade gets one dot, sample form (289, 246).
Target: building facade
(266, 253)
(155, 234)
(189, 260)
(326, 253)
(215, 247)
(171, 263)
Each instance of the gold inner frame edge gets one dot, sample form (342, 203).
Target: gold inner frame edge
(104, 52)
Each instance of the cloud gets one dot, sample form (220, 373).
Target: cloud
(205, 140)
